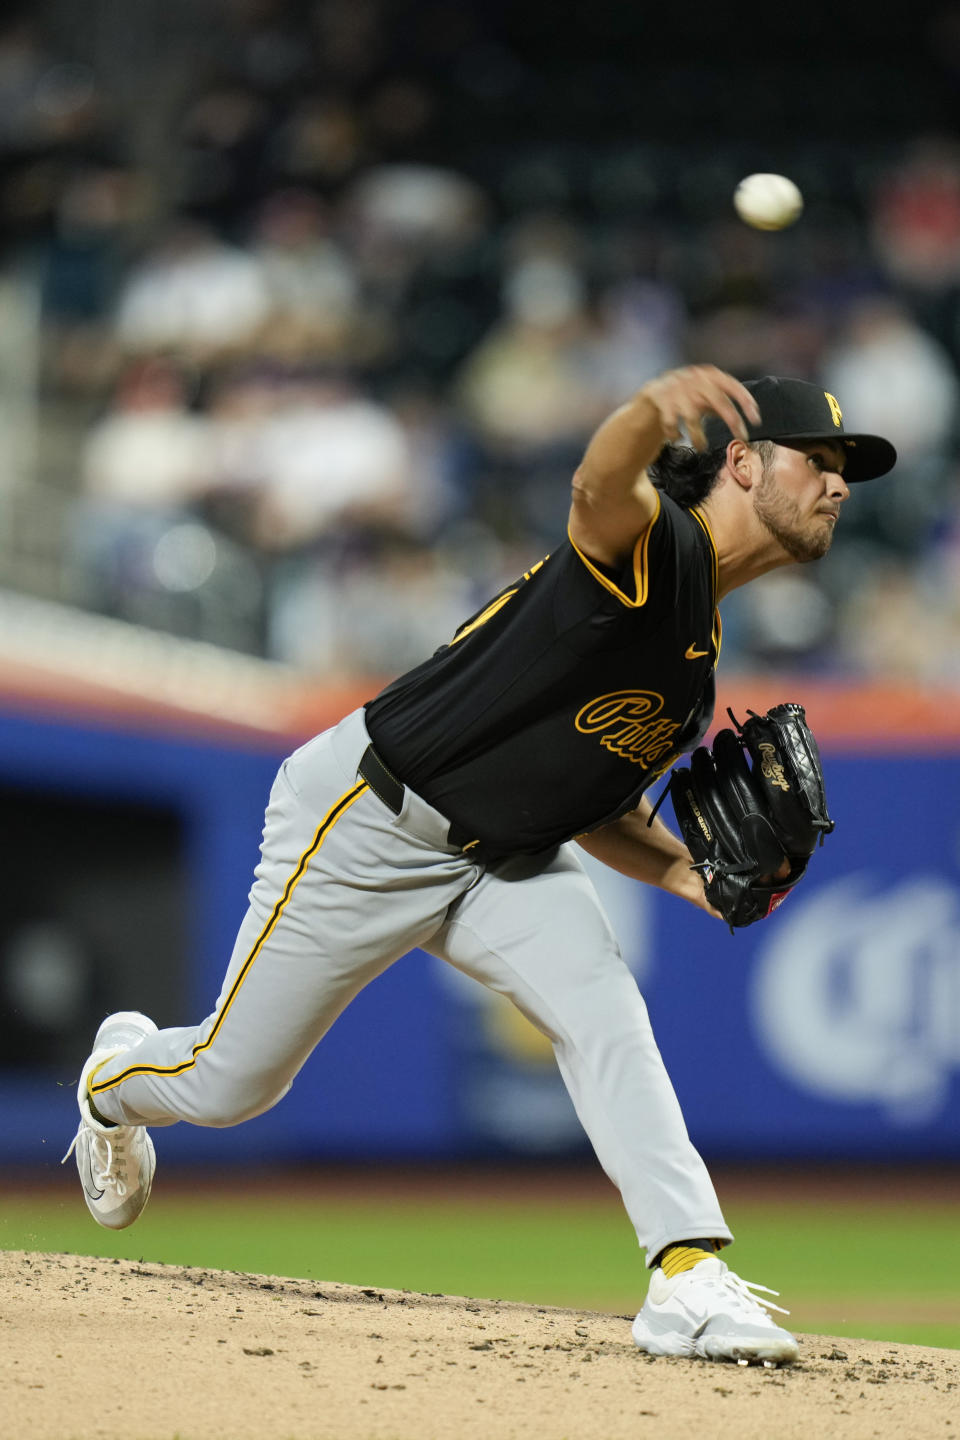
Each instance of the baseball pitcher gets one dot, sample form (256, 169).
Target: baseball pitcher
(448, 812)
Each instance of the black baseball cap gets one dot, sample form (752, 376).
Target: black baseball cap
(797, 410)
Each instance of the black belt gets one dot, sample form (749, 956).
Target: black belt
(390, 790)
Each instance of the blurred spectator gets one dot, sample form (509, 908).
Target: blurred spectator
(368, 613)
(891, 373)
(640, 332)
(893, 626)
(742, 339)
(895, 379)
(348, 188)
(149, 451)
(311, 285)
(192, 294)
(95, 207)
(531, 384)
(788, 623)
(139, 549)
(239, 403)
(443, 492)
(398, 115)
(940, 583)
(44, 99)
(220, 152)
(396, 216)
(82, 270)
(531, 393)
(266, 45)
(22, 62)
(916, 216)
(320, 143)
(305, 454)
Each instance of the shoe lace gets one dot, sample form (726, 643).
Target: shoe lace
(742, 1293)
(110, 1157)
(108, 1160)
(73, 1144)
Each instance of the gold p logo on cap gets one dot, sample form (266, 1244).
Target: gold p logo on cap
(835, 410)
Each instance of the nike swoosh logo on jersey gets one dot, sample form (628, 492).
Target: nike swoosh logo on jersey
(692, 653)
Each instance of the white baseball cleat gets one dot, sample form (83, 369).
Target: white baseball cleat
(709, 1311)
(116, 1162)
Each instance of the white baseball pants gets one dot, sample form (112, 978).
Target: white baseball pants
(344, 887)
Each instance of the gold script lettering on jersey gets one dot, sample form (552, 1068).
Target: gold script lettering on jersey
(628, 724)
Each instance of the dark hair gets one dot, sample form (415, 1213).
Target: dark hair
(688, 475)
(685, 474)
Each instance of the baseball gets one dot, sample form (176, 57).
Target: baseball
(767, 202)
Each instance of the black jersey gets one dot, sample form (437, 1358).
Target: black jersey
(552, 709)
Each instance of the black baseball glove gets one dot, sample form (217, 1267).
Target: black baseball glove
(751, 828)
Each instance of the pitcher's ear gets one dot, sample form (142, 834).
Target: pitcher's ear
(743, 462)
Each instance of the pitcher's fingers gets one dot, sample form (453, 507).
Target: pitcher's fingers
(714, 376)
(695, 433)
(718, 400)
(729, 386)
(721, 394)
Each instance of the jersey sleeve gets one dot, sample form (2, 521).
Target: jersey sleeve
(628, 582)
(660, 560)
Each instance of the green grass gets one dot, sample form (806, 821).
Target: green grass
(895, 1273)
(885, 1265)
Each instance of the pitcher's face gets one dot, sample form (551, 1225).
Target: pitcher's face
(799, 497)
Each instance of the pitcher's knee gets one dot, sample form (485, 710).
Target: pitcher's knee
(231, 1101)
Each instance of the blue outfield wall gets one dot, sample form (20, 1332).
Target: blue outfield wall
(832, 1030)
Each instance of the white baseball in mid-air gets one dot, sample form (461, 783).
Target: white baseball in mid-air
(767, 202)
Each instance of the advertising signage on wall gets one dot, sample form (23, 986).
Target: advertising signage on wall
(831, 1030)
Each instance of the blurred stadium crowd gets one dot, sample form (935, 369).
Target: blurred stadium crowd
(309, 309)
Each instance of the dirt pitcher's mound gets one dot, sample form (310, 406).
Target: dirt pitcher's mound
(110, 1350)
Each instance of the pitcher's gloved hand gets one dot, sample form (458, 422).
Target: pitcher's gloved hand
(752, 827)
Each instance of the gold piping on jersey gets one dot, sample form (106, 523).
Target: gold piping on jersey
(485, 615)
(640, 577)
(704, 524)
(717, 632)
(494, 606)
(342, 805)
